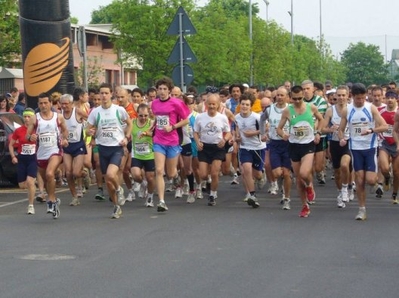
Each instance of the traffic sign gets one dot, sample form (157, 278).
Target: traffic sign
(184, 26)
(188, 75)
(188, 55)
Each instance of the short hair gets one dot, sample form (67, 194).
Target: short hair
(14, 89)
(254, 87)
(307, 82)
(151, 89)
(377, 88)
(192, 89)
(138, 90)
(21, 96)
(392, 83)
(224, 92)
(142, 106)
(78, 92)
(68, 97)
(247, 96)
(93, 90)
(165, 81)
(358, 88)
(44, 94)
(106, 85)
(318, 85)
(296, 89)
(343, 87)
(235, 86)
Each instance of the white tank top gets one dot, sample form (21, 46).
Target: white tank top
(336, 120)
(360, 119)
(75, 128)
(274, 119)
(48, 136)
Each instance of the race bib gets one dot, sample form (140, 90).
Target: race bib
(109, 133)
(358, 127)
(28, 149)
(301, 131)
(142, 148)
(48, 139)
(162, 121)
(388, 132)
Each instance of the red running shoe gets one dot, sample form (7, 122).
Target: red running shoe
(305, 211)
(310, 194)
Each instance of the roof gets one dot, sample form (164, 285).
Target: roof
(11, 73)
(99, 29)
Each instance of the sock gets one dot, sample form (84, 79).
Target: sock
(214, 193)
(362, 208)
(190, 179)
(394, 194)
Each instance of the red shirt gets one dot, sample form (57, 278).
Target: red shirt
(19, 136)
(389, 117)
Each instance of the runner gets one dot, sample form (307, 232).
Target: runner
(51, 135)
(111, 126)
(26, 159)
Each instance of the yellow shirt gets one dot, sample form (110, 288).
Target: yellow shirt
(256, 107)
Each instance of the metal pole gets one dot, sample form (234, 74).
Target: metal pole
(291, 13)
(321, 25)
(251, 66)
(267, 10)
(182, 84)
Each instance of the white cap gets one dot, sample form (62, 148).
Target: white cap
(246, 85)
(331, 91)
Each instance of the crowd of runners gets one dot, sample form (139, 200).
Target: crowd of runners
(136, 144)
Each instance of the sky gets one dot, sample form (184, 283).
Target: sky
(342, 21)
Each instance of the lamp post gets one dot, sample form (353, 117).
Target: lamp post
(251, 62)
(267, 10)
(291, 13)
(321, 24)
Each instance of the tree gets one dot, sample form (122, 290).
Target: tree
(364, 64)
(10, 41)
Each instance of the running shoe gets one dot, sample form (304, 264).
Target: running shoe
(247, 196)
(262, 181)
(41, 198)
(120, 196)
(379, 191)
(191, 197)
(131, 196)
(235, 180)
(286, 204)
(31, 209)
(136, 186)
(211, 201)
(161, 207)
(117, 212)
(74, 202)
(361, 215)
(143, 190)
(199, 194)
(49, 207)
(340, 202)
(253, 201)
(79, 193)
(149, 202)
(310, 194)
(305, 211)
(56, 209)
(351, 195)
(100, 195)
(186, 188)
(320, 178)
(345, 195)
(178, 193)
(86, 179)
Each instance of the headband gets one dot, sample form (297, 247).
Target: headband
(28, 113)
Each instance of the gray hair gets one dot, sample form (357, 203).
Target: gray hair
(68, 97)
(307, 82)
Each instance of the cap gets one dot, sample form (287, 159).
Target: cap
(211, 89)
(328, 83)
(245, 85)
(332, 91)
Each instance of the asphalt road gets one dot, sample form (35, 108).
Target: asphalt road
(229, 250)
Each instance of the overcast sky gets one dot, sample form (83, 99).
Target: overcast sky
(343, 21)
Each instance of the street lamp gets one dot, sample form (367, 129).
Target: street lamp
(291, 13)
(251, 62)
(267, 10)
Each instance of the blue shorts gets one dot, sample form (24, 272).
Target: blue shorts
(279, 154)
(168, 151)
(27, 166)
(186, 150)
(255, 157)
(75, 149)
(365, 160)
(110, 156)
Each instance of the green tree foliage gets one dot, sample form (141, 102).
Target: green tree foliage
(365, 64)
(10, 41)
(222, 44)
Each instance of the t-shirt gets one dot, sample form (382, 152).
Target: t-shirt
(168, 112)
(250, 123)
(211, 129)
(25, 147)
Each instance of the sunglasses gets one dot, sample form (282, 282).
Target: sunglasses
(297, 98)
(143, 116)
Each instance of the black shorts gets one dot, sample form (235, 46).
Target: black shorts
(186, 150)
(75, 149)
(26, 166)
(322, 145)
(297, 151)
(129, 146)
(211, 152)
(147, 165)
(336, 152)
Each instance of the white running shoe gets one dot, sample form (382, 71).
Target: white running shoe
(120, 196)
(178, 193)
(31, 209)
(117, 212)
(131, 196)
(191, 197)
